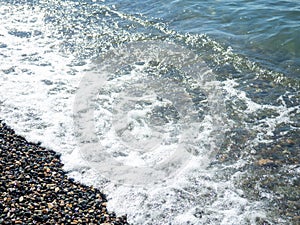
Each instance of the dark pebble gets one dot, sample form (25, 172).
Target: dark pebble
(35, 190)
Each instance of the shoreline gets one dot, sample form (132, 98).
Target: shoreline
(34, 189)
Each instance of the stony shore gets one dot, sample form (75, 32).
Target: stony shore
(35, 190)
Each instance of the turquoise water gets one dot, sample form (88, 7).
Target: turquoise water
(266, 31)
(243, 115)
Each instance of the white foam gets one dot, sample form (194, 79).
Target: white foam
(264, 127)
(37, 99)
(37, 94)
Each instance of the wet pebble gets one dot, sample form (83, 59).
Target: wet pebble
(35, 190)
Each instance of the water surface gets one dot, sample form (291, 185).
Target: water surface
(236, 122)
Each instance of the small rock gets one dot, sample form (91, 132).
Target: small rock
(264, 162)
(21, 199)
(290, 141)
(50, 205)
(33, 184)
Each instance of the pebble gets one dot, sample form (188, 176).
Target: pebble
(21, 199)
(34, 189)
(264, 162)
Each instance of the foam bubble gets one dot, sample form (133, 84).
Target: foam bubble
(40, 75)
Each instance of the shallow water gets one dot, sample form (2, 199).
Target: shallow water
(182, 112)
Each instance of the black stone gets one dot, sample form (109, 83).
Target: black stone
(23, 173)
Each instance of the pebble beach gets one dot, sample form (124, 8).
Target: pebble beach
(180, 112)
(35, 190)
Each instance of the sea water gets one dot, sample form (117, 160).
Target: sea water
(182, 112)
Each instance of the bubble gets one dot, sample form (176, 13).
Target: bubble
(140, 114)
